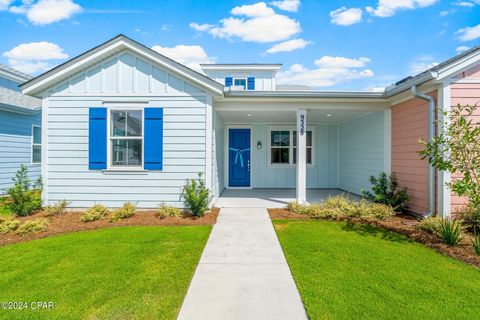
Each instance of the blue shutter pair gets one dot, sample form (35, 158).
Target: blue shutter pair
(153, 139)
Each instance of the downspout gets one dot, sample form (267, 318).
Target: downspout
(431, 133)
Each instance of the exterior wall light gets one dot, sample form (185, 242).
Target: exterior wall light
(259, 145)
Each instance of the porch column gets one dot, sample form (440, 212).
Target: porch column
(301, 156)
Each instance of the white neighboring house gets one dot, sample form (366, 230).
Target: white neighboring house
(125, 123)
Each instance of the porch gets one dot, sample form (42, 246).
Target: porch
(272, 197)
(266, 154)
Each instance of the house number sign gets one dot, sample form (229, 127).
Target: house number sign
(302, 124)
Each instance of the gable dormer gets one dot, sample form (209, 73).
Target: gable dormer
(243, 77)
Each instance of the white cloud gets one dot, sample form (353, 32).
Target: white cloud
(462, 49)
(289, 45)
(469, 4)
(346, 17)
(287, 5)
(259, 9)
(469, 33)
(201, 27)
(191, 56)
(329, 71)
(50, 11)
(33, 57)
(387, 8)
(43, 12)
(4, 4)
(257, 23)
(421, 64)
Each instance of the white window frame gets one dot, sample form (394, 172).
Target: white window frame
(240, 78)
(110, 138)
(290, 163)
(36, 144)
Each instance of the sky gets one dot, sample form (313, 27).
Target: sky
(326, 44)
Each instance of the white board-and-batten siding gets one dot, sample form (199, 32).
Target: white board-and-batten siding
(124, 80)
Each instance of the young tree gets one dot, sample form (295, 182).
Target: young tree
(457, 150)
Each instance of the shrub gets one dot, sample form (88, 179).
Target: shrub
(470, 217)
(196, 196)
(476, 242)
(165, 211)
(385, 190)
(450, 232)
(380, 211)
(340, 206)
(24, 197)
(32, 227)
(126, 211)
(56, 209)
(298, 208)
(97, 212)
(430, 225)
(8, 225)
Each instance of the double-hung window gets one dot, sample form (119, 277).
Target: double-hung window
(126, 138)
(240, 83)
(36, 144)
(283, 147)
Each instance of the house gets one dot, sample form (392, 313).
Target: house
(20, 128)
(125, 123)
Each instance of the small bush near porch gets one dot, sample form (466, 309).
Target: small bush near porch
(115, 273)
(354, 271)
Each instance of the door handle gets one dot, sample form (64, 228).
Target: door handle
(248, 165)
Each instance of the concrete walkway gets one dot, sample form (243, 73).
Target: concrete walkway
(243, 273)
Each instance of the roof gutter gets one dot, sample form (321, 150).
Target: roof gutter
(303, 94)
(431, 133)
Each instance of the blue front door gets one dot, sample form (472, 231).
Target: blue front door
(239, 158)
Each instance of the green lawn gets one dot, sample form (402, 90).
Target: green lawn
(346, 271)
(115, 273)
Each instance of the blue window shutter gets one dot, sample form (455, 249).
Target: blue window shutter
(153, 139)
(97, 139)
(228, 81)
(251, 83)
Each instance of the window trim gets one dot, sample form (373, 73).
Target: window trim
(32, 144)
(111, 167)
(240, 78)
(290, 163)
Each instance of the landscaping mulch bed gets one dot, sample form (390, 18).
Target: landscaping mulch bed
(405, 225)
(70, 222)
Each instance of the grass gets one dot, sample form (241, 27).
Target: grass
(346, 271)
(116, 273)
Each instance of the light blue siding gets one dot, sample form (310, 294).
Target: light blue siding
(321, 175)
(68, 174)
(263, 80)
(124, 77)
(16, 146)
(9, 84)
(361, 151)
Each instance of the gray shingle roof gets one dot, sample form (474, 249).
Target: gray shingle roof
(15, 72)
(15, 101)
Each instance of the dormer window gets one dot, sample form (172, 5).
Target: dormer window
(240, 83)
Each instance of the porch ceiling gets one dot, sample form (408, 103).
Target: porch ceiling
(272, 117)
